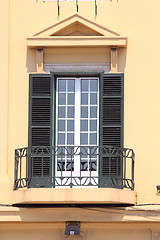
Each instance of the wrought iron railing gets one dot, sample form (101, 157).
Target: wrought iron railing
(74, 166)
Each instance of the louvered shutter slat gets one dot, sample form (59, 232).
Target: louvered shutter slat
(112, 125)
(40, 130)
(41, 111)
(41, 85)
(112, 105)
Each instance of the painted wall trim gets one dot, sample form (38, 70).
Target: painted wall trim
(66, 41)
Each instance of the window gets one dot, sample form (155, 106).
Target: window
(77, 123)
(68, 111)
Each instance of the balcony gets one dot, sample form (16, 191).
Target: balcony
(75, 169)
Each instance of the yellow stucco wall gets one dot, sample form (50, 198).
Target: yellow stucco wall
(77, 55)
(49, 231)
(138, 21)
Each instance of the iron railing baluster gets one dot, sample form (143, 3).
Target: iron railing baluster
(80, 167)
(72, 166)
(38, 157)
(124, 167)
(90, 164)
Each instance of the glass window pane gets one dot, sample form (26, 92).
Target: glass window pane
(70, 98)
(61, 152)
(61, 98)
(62, 85)
(94, 85)
(84, 98)
(61, 138)
(70, 125)
(70, 138)
(84, 112)
(70, 165)
(71, 86)
(84, 138)
(84, 85)
(93, 138)
(94, 150)
(84, 164)
(84, 125)
(84, 151)
(93, 98)
(70, 112)
(93, 112)
(61, 112)
(93, 125)
(60, 165)
(93, 165)
(61, 125)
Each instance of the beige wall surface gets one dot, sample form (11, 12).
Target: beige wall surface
(77, 55)
(139, 22)
(50, 231)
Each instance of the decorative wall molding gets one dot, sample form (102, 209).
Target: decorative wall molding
(76, 31)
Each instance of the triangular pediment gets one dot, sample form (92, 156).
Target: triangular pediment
(77, 29)
(76, 25)
(73, 31)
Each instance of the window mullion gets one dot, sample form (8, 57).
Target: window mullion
(77, 118)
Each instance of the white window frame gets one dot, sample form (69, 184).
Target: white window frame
(77, 120)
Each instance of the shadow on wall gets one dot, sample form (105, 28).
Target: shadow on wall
(31, 60)
(122, 55)
(70, 214)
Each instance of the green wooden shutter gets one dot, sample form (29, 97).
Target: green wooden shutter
(40, 130)
(111, 107)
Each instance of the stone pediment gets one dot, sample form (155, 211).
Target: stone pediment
(76, 31)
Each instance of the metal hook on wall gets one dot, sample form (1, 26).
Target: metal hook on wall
(77, 5)
(58, 6)
(96, 8)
